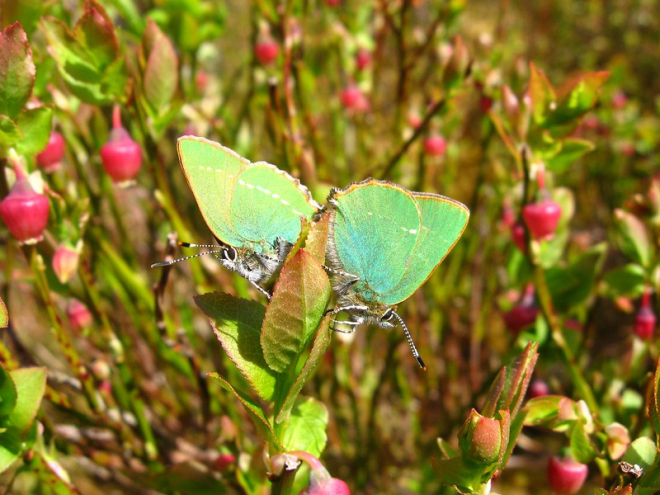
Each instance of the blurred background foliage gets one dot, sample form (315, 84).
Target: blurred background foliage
(385, 415)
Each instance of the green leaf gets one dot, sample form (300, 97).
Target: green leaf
(510, 394)
(116, 80)
(634, 238)
(88, 57)
(295, 310)
(571, 286)
(320, 345)
(35, 125)
(95, 33)
(72, 59)
(161, 68)
(17, 70)
(541, 94)
(237, 324)
(30, 386)
(572, 149)
(7, 395)
(641, 451)
(466, 476)
(4, 315)
(627, 281)
(305, 429)
(581, 448)
(542, 411)
(20, 430)
(258, 417)
(131, 14)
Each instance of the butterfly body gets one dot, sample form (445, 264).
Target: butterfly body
(254, 210)
(256, 263)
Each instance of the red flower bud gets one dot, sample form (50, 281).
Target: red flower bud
(223, 461)
(24, 211)
(363, 58)
(78, 314)
(538, 388)
(542, 218)
(49, 159)
(121, 156)
(435, 145)
(566, 476)
(353, 99)
(266, 51)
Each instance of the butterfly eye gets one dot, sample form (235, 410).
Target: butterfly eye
(229, 254)
(388, 315)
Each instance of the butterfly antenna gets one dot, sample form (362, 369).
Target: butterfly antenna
(410, 341)
(192, 245)
(171, 262)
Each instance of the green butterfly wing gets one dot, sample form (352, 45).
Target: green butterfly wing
(393, 239)
(243, 203)
(442, 222)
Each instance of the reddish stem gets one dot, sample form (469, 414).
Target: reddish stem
(540, 178)
(646, 298)
(116, 117)
(313, 462)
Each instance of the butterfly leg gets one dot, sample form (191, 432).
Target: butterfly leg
(260, 289)
(353, 278)
(352, 324)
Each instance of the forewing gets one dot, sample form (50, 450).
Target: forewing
(442, 221)
(269, 203)
(372, 232)
(212, 173)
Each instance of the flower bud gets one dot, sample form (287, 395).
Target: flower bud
(480, 438)
(566, 476)
(49, 159)
(618, 440)
(24, 211)
(78, 314)
(65, 263)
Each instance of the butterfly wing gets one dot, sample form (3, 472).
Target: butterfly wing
(243, 203)
(372, 232)
(268, 203)
(442, 222)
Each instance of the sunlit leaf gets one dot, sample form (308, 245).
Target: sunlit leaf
(319, 347)
(237, 324)
(35, 125)
(305, 428)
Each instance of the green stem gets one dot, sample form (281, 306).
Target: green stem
(63, 339)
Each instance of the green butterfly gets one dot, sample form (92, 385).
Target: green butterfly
(254, 210)
(384, 242)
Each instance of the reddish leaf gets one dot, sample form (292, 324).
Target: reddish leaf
(4, 315)
(17, 70)
(96, 33)
(295, 311)
(541, 93)
(161, 67)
